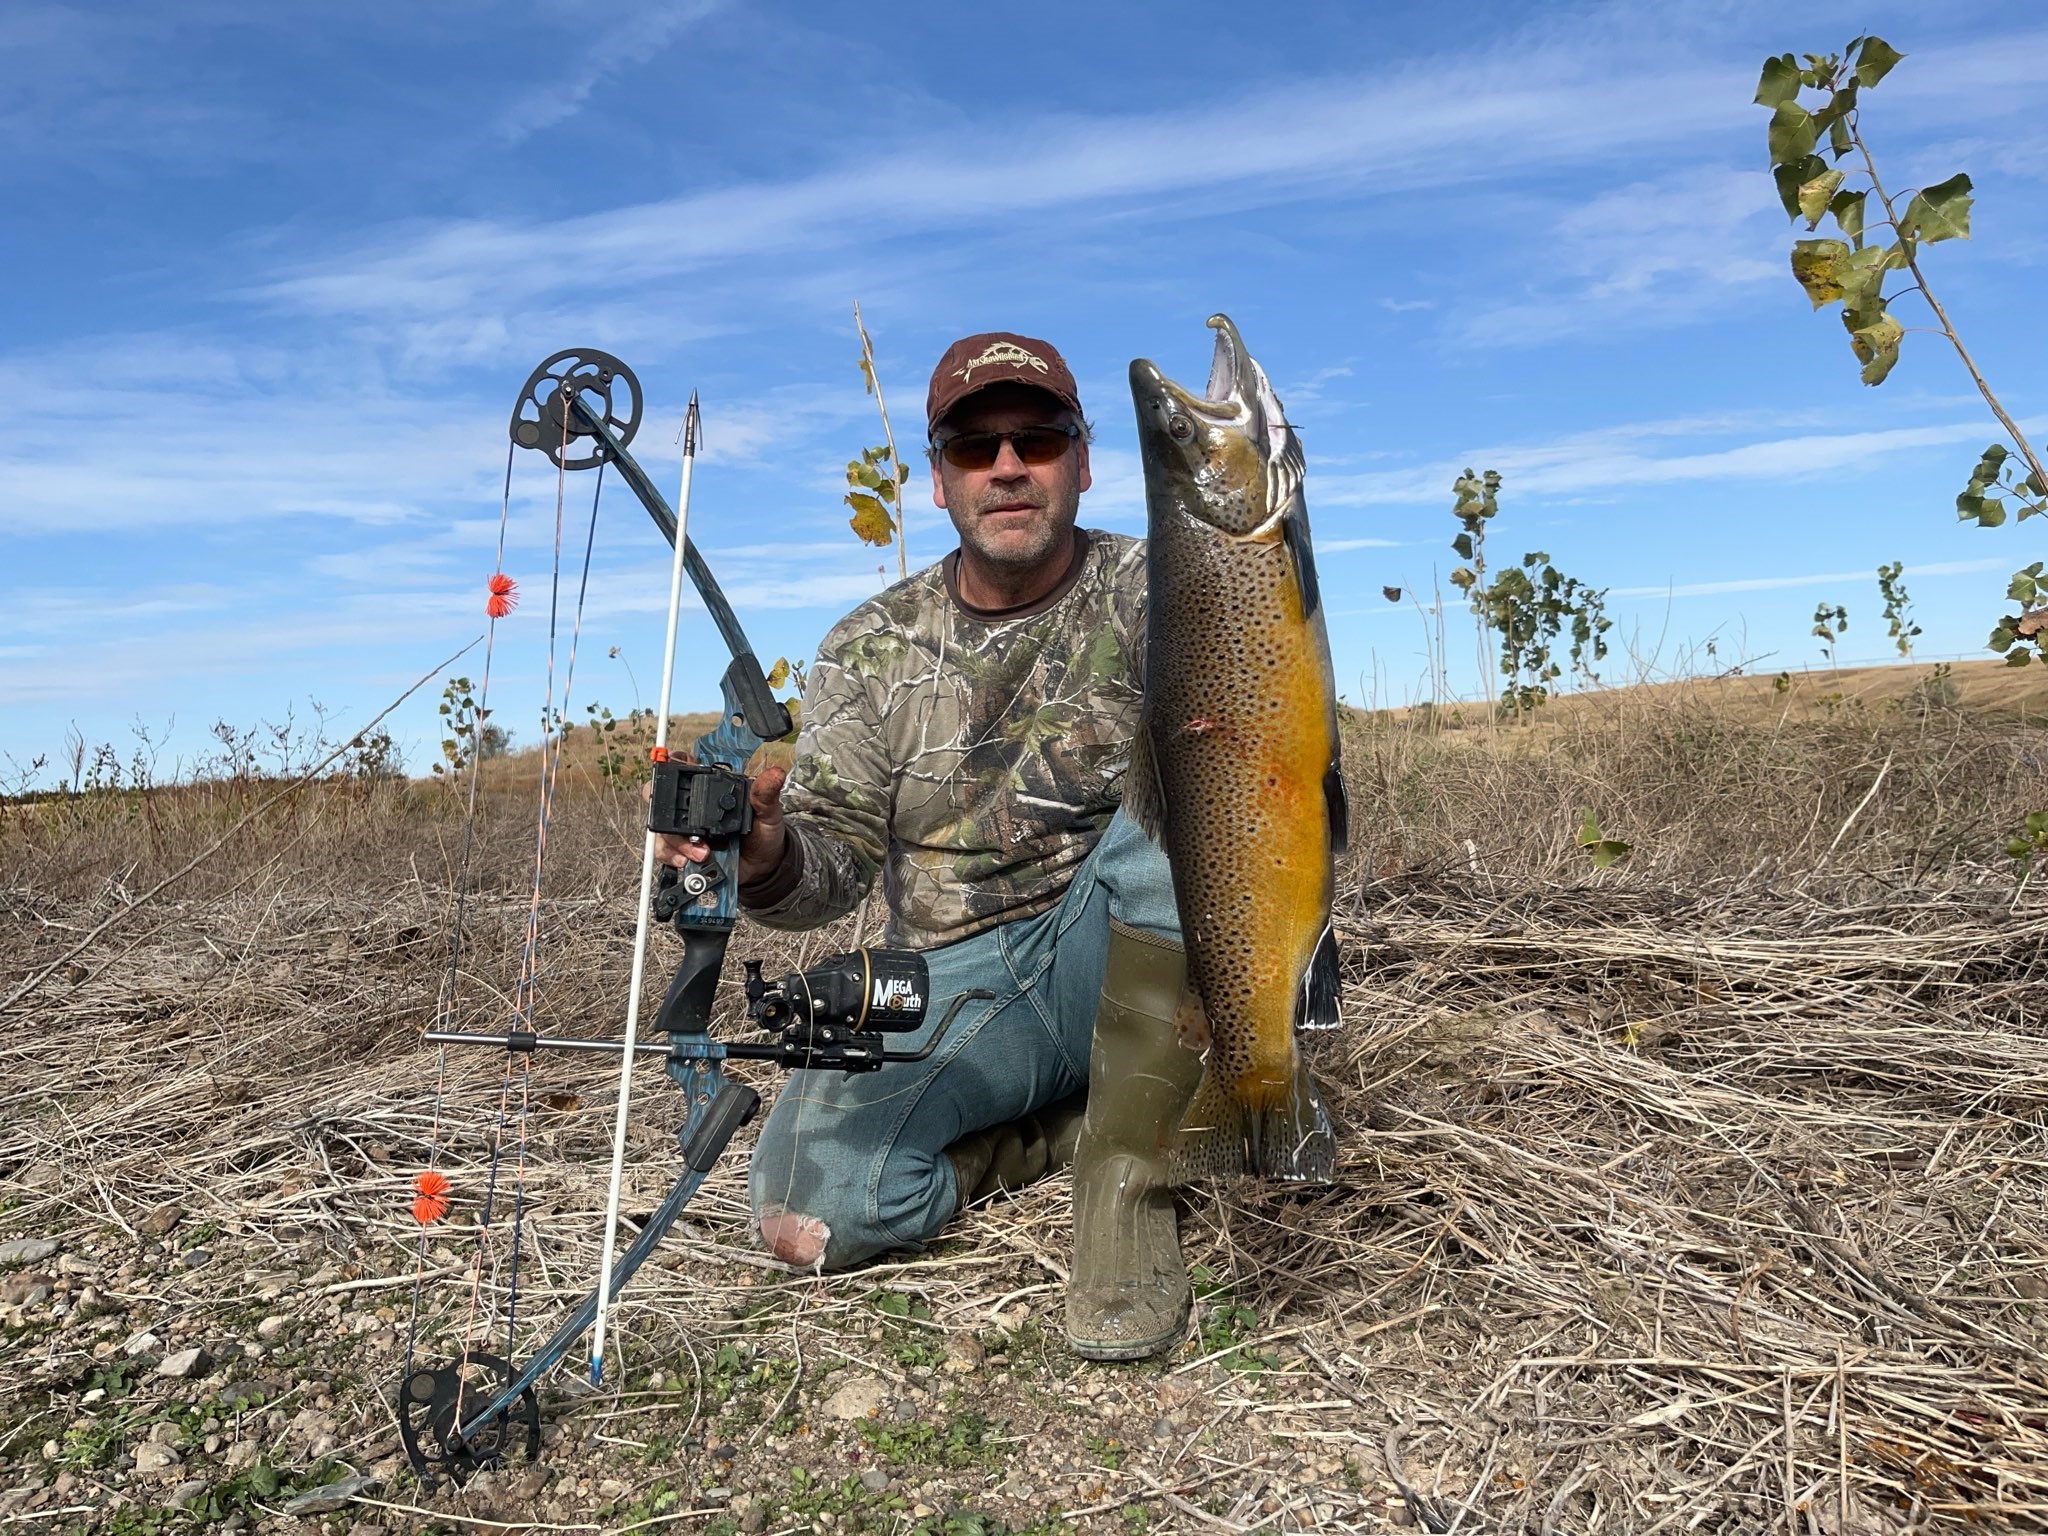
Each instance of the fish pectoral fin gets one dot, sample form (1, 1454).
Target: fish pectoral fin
(1141, 785)
(1322, 986)
(1220, 1138)
(1294, 529)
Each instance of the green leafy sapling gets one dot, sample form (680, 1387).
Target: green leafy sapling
(1898, 607)
(1829, 621)
(1881, 233)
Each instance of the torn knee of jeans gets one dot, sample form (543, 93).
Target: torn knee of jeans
(794, 1239)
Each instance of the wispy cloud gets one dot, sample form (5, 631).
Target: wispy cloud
(1937, 568)
(1615, 458)
(1396, 134)
(628, 39)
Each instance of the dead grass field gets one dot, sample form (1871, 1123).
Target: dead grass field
(1708, 1192)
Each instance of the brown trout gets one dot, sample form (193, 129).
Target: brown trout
(1236, 770)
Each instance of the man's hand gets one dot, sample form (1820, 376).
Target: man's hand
(760, 850)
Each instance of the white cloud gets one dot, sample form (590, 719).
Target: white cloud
(627, 39)
(1936, 568)
(1614, 457)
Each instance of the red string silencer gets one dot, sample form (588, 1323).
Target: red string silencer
(430, 1204)
(504, 596)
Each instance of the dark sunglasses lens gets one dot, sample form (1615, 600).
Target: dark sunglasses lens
(979, 450)
(1039, 445)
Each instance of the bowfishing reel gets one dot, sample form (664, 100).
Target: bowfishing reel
(837, 1014)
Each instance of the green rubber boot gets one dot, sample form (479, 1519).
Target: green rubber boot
(1009, 1156)
(1128, 1295)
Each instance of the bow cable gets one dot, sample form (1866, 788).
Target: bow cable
(644, 922)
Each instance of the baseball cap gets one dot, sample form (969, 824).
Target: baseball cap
(997, 357)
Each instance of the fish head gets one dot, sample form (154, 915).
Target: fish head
(1229, 448)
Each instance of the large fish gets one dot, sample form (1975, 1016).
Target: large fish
(1236, 767)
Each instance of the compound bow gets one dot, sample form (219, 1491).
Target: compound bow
(581, 407)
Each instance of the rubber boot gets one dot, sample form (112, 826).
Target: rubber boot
(1128, 1296)
(1007, 1157)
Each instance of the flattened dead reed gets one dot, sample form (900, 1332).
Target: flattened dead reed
(1709, 1192)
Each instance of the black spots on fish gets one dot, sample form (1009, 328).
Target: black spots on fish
(1294, 528)
(1337, 801)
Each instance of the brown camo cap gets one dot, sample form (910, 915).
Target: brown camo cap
(997, 357)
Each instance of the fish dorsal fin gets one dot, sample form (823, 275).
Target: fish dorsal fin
(1141, 785)
(1321, 985)
(1337, 803)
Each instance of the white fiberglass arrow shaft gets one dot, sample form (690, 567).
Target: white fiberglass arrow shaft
(645, 919)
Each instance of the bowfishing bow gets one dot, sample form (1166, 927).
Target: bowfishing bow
(582, 408)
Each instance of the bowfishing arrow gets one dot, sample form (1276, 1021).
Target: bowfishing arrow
(644, 920)
(581, 407)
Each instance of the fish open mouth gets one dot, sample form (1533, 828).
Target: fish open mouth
(1226, 368)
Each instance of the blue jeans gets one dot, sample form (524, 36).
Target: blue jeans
(864, 1153)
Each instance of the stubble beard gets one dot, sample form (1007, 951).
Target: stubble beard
(1050, 531)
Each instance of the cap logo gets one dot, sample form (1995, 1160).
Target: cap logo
(996, 355)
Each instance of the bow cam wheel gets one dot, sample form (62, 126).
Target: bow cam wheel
(433, 1403)
(543, 420)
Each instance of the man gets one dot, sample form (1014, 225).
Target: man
(965, 736)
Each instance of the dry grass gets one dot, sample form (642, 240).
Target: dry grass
(1708, 1192)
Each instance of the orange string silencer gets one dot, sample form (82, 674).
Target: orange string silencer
(430, 1202)
(658, 754)
(504, 596)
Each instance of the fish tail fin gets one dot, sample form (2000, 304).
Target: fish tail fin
(1294, 1141)
(1322, 986)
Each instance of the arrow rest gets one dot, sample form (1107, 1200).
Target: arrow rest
(543, 419)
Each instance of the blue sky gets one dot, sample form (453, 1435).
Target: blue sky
(276, 274)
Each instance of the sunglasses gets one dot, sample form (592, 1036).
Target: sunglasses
(979, 450)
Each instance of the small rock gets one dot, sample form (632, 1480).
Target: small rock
(271, 1328)
(27, 1250)
(724, 1452)
(185, 1363)
(162, 1219)
(185, 1493)
(861, 1398)
(1162, 1428)
(72, 1264)
(241, 1454)
(33, 1294)
(329, 1497)
(875, 1480)
(611, 1488)
(196, 1258)
(211, 1445)
(66, 1481)
(964, 1354)
(755, 1520)
(717, 1495)
(141, 1344)
(154, 1456)
(237, 1395)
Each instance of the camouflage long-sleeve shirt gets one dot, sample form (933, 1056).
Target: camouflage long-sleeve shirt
(973, 758)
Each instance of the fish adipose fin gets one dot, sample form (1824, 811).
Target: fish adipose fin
(1321, 986)
(1220, 1138)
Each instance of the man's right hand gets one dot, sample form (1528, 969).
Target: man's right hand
(760, 850)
